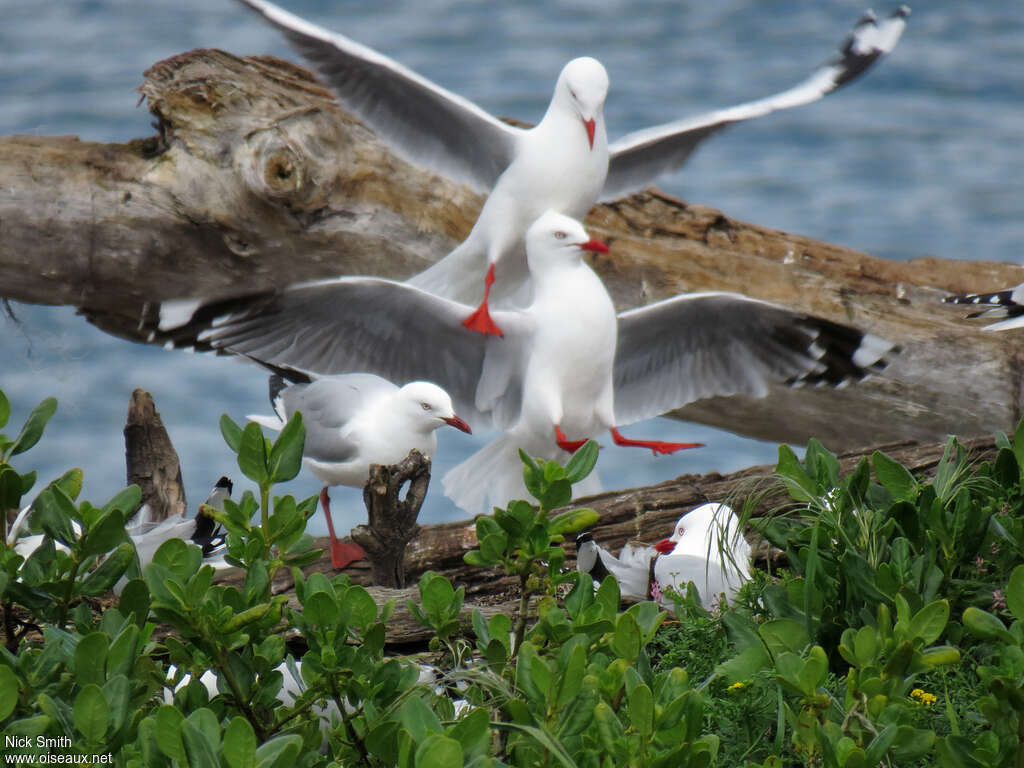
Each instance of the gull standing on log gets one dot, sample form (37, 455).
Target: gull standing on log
(566, 369)
(564, 163)
(353, 421)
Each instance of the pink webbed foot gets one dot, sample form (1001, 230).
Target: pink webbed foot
(565, 443)
(343, 553)
(480, 320)
(657, 447)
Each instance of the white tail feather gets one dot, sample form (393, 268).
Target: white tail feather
(493, 476)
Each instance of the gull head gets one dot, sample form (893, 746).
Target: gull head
(700, 531)
(582, 88)
(555, 238)
(429, 407)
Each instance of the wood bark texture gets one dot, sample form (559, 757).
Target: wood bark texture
(392, 518)
(150, 458)
(257, 175)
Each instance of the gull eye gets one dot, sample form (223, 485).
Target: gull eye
(681, 530)
(573, 94)
(426, 406)
(560, 235)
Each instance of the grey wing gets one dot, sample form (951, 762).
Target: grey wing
(426, 124)
(327, 404)
(347, 325)
(706, 344)
(638, 158)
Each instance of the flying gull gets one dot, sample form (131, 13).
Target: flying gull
(564, 163)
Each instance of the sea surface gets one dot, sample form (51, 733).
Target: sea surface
(922, 157)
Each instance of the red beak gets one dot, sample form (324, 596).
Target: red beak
(594, 245)
(665, 546)
(591, 126)
(458, 423)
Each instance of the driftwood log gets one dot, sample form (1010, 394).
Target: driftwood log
(255, 172)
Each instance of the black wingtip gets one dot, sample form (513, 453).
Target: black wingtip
(900, 13)
(225, 482)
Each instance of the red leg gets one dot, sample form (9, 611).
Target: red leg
(656, 446)
(480, 320)
(565, 443)
(342, 552)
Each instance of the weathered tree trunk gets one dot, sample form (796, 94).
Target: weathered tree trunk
(392, 520)
(150, 458)
(643, 514)
(256, 173)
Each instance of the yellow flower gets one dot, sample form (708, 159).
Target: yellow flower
(736, 686)
(923, 696)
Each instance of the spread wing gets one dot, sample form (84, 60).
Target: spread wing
(639, 157)
(705, 344)
(426, 124)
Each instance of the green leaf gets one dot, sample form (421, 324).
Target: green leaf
(286, 453)
(1015, 592)
(473, 732)
(201, 735)
(10, 488)
(91, 659)
(582, 462)
(34, 425)
(641, 709)
(784, 635)
(105, 534)
(127, 500)
(572, 521)
(53, 510)
(418, 718)
(911, 744)
(894, 477)
(929, 622)
(985, 625)
(439, 751)
(91, 712)
(252, 454)
(103, 578)
(231, 432)
(280, 751)
(5, 409)
(572, 676)
(8, 691)
(799, 484)
(626, 640)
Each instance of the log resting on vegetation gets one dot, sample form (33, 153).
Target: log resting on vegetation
(639, 514)
(257, 175)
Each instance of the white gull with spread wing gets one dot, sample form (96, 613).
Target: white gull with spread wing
(564, 163)
(566, 369)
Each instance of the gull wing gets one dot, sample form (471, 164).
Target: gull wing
(639, 157)
(353, 324)
(704, 344)
(424, 123)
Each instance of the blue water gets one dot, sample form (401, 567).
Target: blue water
(920, 158)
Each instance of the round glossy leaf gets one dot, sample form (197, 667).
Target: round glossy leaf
(439, 751)
(91, 712)
(8, 691)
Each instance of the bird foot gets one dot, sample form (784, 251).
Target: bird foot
(344, 554)
(481, 322)
(565, 443)
(657, 447)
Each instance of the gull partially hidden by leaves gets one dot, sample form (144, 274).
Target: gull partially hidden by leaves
(564, 163)
(706, 547)
(355, 420)
(567, 368)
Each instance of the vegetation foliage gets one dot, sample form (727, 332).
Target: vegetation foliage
(893, 634)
